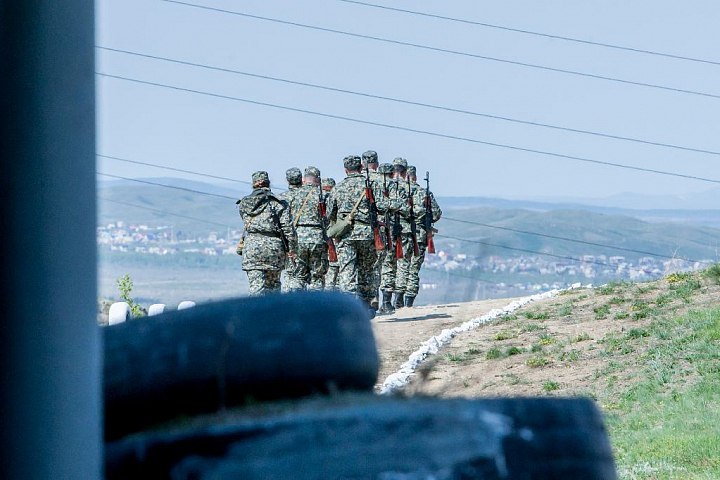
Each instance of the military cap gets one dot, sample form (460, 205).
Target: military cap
(312, 171)
(412, 170)
(352, 162)
(370, 157)
(329, 182)
(386, 169)
(400, 162)
(260, 176)
(293, 176)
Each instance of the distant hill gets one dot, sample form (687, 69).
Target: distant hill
(593, 224)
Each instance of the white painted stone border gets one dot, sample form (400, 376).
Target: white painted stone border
(431, 346)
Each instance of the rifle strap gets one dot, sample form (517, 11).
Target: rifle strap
(355, 207)
(297, 219)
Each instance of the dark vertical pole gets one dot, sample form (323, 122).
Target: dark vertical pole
(50, 403)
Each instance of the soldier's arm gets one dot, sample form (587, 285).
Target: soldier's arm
(436, 211)
(288, 229)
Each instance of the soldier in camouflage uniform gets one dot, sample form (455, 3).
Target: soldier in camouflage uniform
(388, 267)
(294, 179)
(331, 278)
(311, 259)
(269, 236)
(370, 162)
(356, 249)
(407, 282)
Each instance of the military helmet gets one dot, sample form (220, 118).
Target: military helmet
(260, 176)
(293, 176)
(312, 171)
(370, 156)
(352, 162)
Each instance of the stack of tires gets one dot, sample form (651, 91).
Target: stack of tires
(188, 395)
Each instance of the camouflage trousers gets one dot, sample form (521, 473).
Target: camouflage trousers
(407, 279)
(263, 282)
(388, 270)
(357, 261)
(309, 269)
(331, 278)
(377, 270)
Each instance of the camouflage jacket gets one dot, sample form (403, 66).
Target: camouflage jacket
(266, 233)
(290, 195)
(306, 215)
(342, 200)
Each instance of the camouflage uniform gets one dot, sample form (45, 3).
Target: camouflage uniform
(407, 281)
(294, 179)
(356, 249)
(269, 236)
(387, 267)
(311, 260)
(370, 162)
(331, 278)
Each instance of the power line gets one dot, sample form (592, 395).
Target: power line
(413, 130)
(540, 34)
(556, 237)
(449, 51)
(164, 212)
(408, 102)
(147, 182)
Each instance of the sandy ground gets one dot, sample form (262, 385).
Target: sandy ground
(572, 344)
(400, 334)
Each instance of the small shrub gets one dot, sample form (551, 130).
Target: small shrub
(513, 351)
(663, 300)
(636, 333)
(581, 338)
(550, 386)
(455, 357)
(546, 339)
(536, 348)
(125, 287)
(571, 356)
(638, 305)
(565, 311)
(618, 300)
(472, 351)
(713, 273)
(640, 315)
(537, 315)
(622, 316)
(537, 362)
(493, 354)
(505, 335)
(532, 327)
(676, 277)
(601, 312)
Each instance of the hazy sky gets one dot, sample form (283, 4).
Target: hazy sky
(229, 138)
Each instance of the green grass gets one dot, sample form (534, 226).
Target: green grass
(454, 357)
(532, 327)
(601, 312)
(493, 354)
(668, 425)
(537, 315)
(621, 316)
(570, 356)
(514, 351)
(505, 335)
(550, 386)
(713, 273)
(537, 362)
(581, 338)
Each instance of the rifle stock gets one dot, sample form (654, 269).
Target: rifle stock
(413, 225)
(372, 211)
(428, 216)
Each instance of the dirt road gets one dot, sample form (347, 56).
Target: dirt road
(400, 334)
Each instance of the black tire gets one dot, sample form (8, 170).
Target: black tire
(223, 354)
(382, 438)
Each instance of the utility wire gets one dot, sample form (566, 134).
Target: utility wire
(413, 130)
(164, 212)
(147, 182)
(409, 102)
(449, 51)
(539, 34)
(584, 242)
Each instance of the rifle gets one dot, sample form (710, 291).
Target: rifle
(386, 194)
(413, 225)
(372, 210)
(397, 228)
(332, 253)
(428, 215)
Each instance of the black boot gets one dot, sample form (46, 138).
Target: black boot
(387, 306)
(409, 301)
(399, 300)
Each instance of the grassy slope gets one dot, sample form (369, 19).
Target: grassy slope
(649, 354)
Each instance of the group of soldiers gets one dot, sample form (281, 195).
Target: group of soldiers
(365, 235)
